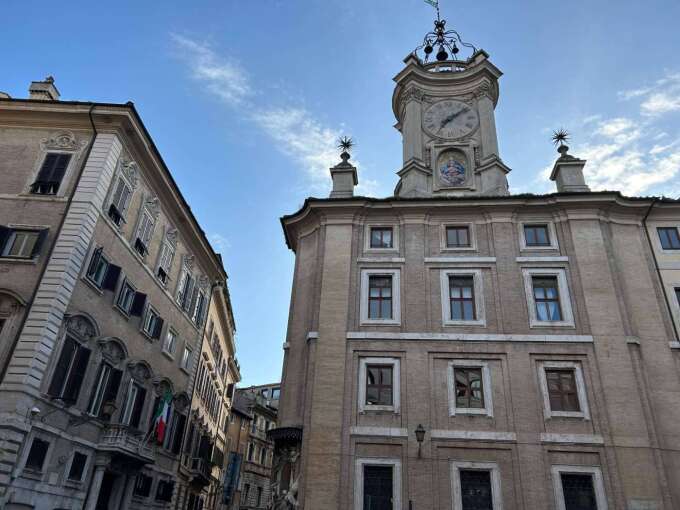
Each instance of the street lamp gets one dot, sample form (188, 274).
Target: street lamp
(420, 436)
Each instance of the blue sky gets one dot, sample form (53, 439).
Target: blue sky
(246, 99)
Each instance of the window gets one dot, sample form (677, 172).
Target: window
(259, 496)
(120, 201)
(563, 389)
(142, 485)
(134, 404)
(105, 389)
(77, 469)
(96, 271)
(129, 301)
(185, 362)
(246, 491)
(380, 300)
(379, 384)
(669, 237)
(476, 486)
(21, 244)
(185, 291)
(170, 342)
(153, 324)
(51, 174)
(164, 490)
(536, 235)
(37, 454)
(144, 232)
(381, 237)
(548, 297)
(276, 393)
(470, 391)
(263, 456)
(251, 449)
(165, 262)
(377, 484)
(458, 237)
(70, 371)
(200, 309)
(462, 297)
(579, 488)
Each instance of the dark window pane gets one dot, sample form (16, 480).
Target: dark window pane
(51, 174)
(536, 235)
(380, 297)
(37, 454)
(547, 298)
(475, 488)
(457, 237)
(378, 488)
(562, 391)
(379, 385)
(462, 297)
(381, 237)
(469, 387)
(579, 493)
(77, 466)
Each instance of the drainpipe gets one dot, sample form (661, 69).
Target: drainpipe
(86, 156)
(658, 270)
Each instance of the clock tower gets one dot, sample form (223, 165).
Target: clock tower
(445, 113)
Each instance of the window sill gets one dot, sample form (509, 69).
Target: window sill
(32, 474)
(74, 484)
(93, 285)
(551, 324)
(572, 415)
(168, 355)
(20, 260)
(464, 411)
(380, 322)
(185, 370)
(58, 197)
(379, 409)
(449, 324)
(381, 250)
(462, 248)
(121, 311)
(539, 248)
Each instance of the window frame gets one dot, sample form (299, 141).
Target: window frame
(359, 479)
(182, 366)
(487, 389)
(168, 248)
(552, 232)
(658, 229)
(124, 283)
(65, 179)
(150, 310)
(443, 239)
(395, 237)
(456, 488)
(98, 252)
(396, 384)
(142, 234)
(27, 450)
(581, 391)
(396, 296)
(8, 243)
(478, 283)
(173, 352)
(598, 483)
(86, 467)
(563, 294)
(118, 177)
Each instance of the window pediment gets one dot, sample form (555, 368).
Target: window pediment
(82, 327)
(62, 141)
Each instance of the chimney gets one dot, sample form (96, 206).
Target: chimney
(568, 172)
(43, 90)
(344, 177)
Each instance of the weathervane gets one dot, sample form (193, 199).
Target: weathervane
(559, 137)
(447, 42)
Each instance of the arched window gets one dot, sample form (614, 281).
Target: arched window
(134, 409)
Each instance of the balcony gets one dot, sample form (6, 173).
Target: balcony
(199, 469)
(122, 441)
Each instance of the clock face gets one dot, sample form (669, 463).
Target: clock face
(450, 119)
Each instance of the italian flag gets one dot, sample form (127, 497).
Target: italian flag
(162, 416)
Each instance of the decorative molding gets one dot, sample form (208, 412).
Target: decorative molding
(473, 435)
(171, 236)
(384, 260)
(153, 205)
(203, 282)
(130, 171)
(312, 335)
(140, 371)
(188, 261)
(542, 259)
(572, 438)
(62, 141)
(81, 327)
(112, 350)
(378, 431)
(411, 93)
(460, 260)
(468, 337)
(484, 90)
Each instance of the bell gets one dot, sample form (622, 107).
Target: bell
(427, 49)
(442, 55)
(455, 50)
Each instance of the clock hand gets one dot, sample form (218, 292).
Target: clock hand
(453, 116)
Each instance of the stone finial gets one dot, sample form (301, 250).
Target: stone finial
(344, 175)
(43, 90)
(568, 170)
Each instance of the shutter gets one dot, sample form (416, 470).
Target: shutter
(158, 327)
(94, 261)
(58, 170)
(77, 374)
(183, 280)
(112, 386)
(47, 167)
(61, 369)
(4, 234)
(39, 242)
(188, 294)
(138, 407)
(138, 304)
(192, 301)
(111, 277)
(118, 193)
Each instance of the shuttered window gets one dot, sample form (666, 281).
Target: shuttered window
(134, 404)
(144, 232)
(105, 389)
(119, 201)
(51, 174)
(165, 262)
(70, 371)
(23, 244)
(153, 324)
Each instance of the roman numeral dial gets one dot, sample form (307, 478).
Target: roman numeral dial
(450, 119)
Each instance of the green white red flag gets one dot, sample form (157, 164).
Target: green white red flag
(162, 416)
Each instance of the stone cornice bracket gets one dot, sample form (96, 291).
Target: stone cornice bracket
(171, 236)
(62, 141)
(130, 171)
(153, 205)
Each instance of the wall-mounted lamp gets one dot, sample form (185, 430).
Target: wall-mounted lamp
(420, 436)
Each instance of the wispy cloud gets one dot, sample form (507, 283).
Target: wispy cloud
(657, 99)
(221, 76)
(219, 243)
(310, 143)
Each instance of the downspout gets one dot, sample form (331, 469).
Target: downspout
(658, 270)
(86, 156)
(213, 286)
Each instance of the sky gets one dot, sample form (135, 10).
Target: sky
(245, 101)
